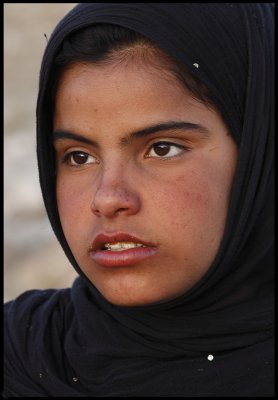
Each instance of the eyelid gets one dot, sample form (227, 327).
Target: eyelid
(174, 140)
(65, 146)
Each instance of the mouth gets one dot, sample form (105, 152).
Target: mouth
(120, 246)
(120, 250)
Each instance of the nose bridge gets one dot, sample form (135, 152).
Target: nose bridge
(115, 192)
(113, 176)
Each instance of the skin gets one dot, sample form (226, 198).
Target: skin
(177, 201)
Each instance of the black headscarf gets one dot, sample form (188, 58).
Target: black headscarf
(215, 340)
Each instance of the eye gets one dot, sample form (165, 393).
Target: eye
(76, 158)
(165, 150)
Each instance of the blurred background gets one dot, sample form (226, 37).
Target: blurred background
(33, 257)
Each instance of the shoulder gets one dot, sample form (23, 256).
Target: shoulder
(29, 320)
(252, 370)
(34, 304)
(34, 308)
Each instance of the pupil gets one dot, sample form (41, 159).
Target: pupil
(161, 149)
(79, 158)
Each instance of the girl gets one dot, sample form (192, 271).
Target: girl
(155, 154)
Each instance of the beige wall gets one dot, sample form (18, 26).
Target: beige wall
(33, 258)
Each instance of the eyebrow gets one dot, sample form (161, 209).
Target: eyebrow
(163, 126)
(65, 134)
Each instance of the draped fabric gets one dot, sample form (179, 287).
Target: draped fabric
(73, 342)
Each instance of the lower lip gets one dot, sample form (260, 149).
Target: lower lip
(124, 258)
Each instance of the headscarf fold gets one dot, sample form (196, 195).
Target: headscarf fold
(110, 350)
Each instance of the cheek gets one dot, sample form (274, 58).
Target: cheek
(71, 200)
(187, 192)
(193, 202)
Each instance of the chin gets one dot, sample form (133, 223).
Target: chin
(128, 301)
(132, 300)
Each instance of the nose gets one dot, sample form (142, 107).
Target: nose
(114, 196)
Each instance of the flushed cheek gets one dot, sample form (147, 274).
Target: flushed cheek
(185, 195)
(189, 208)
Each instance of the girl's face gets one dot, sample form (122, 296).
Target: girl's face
(140, 161)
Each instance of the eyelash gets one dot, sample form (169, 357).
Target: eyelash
(67, 156)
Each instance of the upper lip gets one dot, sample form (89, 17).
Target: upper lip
(103, 238)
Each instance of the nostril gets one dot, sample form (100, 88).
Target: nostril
(120, 210)
(95, 210)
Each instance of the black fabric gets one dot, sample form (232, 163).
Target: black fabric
(73, 342)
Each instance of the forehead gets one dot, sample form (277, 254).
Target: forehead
(115, 97)
(121, 89)
(82, 76)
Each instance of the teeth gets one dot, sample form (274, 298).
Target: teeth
(122, 246)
